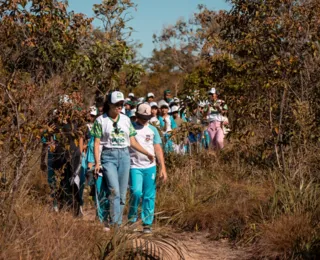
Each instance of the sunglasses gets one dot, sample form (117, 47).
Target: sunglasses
(119, 104)
(116, 129)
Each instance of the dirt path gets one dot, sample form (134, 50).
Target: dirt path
(198, 246)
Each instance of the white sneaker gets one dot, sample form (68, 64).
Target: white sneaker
(81, 211)
(106, 229)
(55, 209)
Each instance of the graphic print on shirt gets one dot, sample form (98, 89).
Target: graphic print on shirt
(118, 138)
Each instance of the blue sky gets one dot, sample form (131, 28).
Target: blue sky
(152, 15)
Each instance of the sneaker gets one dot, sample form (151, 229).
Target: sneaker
(106, 229)
(147, 230)
(81, 211)
(55, 209)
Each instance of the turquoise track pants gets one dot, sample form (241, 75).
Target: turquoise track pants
(142, 185)
(101, 200)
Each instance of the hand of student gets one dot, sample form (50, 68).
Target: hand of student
(163, 175)
(150, 157)
(96, 170)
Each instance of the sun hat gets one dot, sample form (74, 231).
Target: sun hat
(115, 97)
(144, 111)
(93, 111)
(154, 104)
(212, 91)
(131, 95)
(163, 103)
(150, 94)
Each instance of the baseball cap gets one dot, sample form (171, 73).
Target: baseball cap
(212, 91)
(153, 104)
(150, 94)
(174, 109)
(163, 103)
(168, 91)
(140, 100)
(93, 111)
(144, 111)
(176, 100)
(115, 97)
(131, 95)
(133, 112)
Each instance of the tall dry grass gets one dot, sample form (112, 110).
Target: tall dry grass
(249, 204)
(252, 205)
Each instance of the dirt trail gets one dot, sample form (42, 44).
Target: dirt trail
(198, 246)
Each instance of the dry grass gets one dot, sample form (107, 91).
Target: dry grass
(33, 232)
(249, 205)
(279, 215)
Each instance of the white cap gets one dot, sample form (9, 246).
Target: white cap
(163, 103)
(201, 104)
(212, 91)
(116, 97)
(176, 100)
(133, 112)
(131, 95)
(93, 111)
(141, 100)
(174, 109)
(150, 94)
(153, 104)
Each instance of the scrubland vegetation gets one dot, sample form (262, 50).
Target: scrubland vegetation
(261, 192)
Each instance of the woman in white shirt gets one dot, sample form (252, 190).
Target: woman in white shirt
(114, 134)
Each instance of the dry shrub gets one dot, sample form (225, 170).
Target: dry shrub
(289, 236)
(33, 232)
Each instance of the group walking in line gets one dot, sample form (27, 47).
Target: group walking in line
(122, 148)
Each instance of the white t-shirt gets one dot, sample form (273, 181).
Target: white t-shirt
(167, 122)
(146, 136)
(214, 114)
(113, 134)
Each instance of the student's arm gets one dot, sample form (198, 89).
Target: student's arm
(160, 157)
(81, 144)
(97, 134)
(135, 145)
(97, 154)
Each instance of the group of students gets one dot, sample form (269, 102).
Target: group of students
(121, 146)
(171, 114)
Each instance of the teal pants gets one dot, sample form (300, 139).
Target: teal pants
(101, 200)
(142, 186)
(82, 177)
(168, 144)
